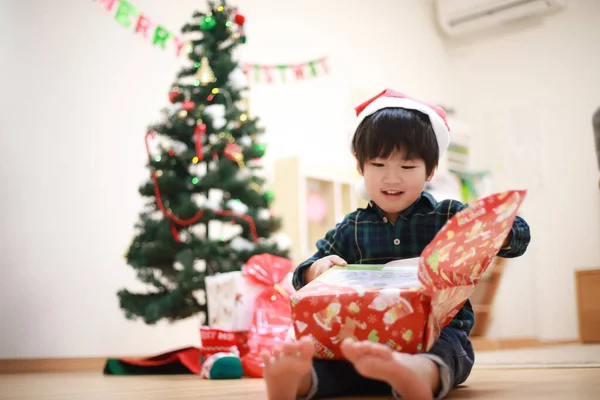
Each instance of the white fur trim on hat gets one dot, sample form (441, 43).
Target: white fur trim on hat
(442, 133)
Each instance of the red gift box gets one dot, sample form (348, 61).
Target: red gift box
(215, 340)
(406, 306)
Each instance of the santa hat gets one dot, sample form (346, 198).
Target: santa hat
(393, 99)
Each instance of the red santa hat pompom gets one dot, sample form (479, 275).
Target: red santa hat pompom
(393, 99)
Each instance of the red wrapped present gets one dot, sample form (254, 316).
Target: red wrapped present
(214, 340)
(401, 305)
(272, 317)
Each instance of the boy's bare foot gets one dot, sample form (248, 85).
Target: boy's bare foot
(288, 373)
(413, 377)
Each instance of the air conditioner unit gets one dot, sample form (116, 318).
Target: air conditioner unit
(458, 17)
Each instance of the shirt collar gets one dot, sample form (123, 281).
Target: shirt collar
(425, 199)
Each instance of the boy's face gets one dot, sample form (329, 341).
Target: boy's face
(394, 183)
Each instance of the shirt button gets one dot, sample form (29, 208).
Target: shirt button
(385, 219)
(396, 242)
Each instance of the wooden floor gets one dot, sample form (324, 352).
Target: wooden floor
(543, 383)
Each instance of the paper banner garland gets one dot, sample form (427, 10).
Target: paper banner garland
(298, 71)
(130, 17)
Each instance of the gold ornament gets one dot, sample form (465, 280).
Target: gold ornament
(182, 114)
(205, 74)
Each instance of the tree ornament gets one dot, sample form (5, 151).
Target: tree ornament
(260, 148)
(188, 105)
(198, 132)
(205, 74)
(270, 196)
(233, 152)
(208, 22)
(173, 95)
(239, 19)
(182, 114)
(200, 128)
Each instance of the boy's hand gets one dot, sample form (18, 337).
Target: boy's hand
(322, 265)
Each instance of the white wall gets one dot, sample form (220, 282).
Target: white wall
(529, 94)
(78, 92)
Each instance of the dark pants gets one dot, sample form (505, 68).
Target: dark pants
(453, 352)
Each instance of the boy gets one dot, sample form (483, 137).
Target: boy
(397, 146)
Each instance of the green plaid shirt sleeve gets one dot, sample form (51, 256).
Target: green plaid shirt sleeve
(519, 240)
(336, 242)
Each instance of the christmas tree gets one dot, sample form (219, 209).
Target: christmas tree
(208, 211)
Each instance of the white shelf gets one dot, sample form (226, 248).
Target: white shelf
(292, 181)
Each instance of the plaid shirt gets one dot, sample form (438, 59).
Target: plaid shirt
(365, 236)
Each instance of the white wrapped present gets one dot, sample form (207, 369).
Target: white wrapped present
(231, 298)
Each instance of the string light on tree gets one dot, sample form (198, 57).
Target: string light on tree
(188, 48)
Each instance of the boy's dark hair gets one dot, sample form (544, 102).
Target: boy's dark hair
(396, 129)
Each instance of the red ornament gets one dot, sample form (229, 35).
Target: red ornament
(233, 152)
(171, 152)
(239, 19)
(199, 130)
(188, 105)
(173, 95)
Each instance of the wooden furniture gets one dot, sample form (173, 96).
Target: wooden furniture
(587, 284)
(484, 295)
